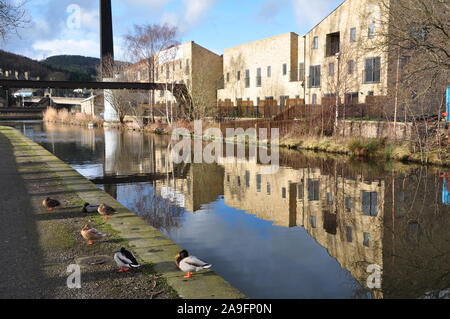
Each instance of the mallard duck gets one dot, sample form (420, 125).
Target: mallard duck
(190, 264)
(91, 234)
(50, 203)
(106, 211)
(126, 260)
(88, 208)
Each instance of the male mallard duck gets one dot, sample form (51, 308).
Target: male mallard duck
(126, 260)
(88, 208)
(106, 211)
(50, 204)
(189, 264)
(91, 234)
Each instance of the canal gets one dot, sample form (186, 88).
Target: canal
(320, 227)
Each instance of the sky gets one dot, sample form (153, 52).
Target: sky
(72, 26)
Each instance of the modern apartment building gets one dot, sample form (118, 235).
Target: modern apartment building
(338, 57)
(334, 58)
(263, 70)
(188, 63)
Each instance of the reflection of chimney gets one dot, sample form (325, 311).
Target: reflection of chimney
(17, 75)
(26, 75)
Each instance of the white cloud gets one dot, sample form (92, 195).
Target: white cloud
(309, 13)
(155, 4)
(196, 9)
(193, 12)
(68, 46)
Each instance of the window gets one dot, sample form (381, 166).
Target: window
(258, 77)
(300, 190)
(331, 69)
(349, 234)
(283, 99)
(167, 72)
(352, 98)
(301, 75)
(283, 192)
(370, 93)
(329, 198)
(351, 67)
(247, 78)
(258, 183)
(239, 75)
(369, 203)
(284, 69)
(247, 179)
(269, 71)
(239, 181)
(348, 204)
(181, 64)
(371, 31)
(366, 241)
(372, 72)
(228, 178)
(161, 93)
(228, 77)
(268, 189)
(314, 99)
(313, 221)
(313, 189)
(353, 35)
(314, 76)
(333, 44)
(315, 43)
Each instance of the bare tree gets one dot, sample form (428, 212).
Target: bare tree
(12, 17)
(124, 102)
(342, 76)
(145, 43)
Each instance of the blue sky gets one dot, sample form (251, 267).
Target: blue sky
(214, 24)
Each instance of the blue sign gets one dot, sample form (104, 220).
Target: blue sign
(445, 192)
(448, 104)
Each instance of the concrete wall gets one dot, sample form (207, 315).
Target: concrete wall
(374, 129)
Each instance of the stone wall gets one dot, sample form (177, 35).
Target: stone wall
(374, 129)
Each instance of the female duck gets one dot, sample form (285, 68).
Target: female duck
(91, 234)
(50, 203)
(106, 211)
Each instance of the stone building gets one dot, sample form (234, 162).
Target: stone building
(188, 63)
(334, 58)
(263, 70)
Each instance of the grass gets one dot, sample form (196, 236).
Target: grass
(377, 149)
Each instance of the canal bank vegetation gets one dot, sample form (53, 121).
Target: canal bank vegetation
(63, 116)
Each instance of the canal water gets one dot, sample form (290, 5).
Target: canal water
(320, 227)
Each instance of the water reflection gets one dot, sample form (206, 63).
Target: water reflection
(308, 231)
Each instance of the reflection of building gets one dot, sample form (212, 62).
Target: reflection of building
(397, 222)
(345, 216)
(201, 185)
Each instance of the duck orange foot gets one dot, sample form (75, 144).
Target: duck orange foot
(188, 275)
(123, 270)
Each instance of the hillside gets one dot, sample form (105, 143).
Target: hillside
(14, 62)
(86, 66)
